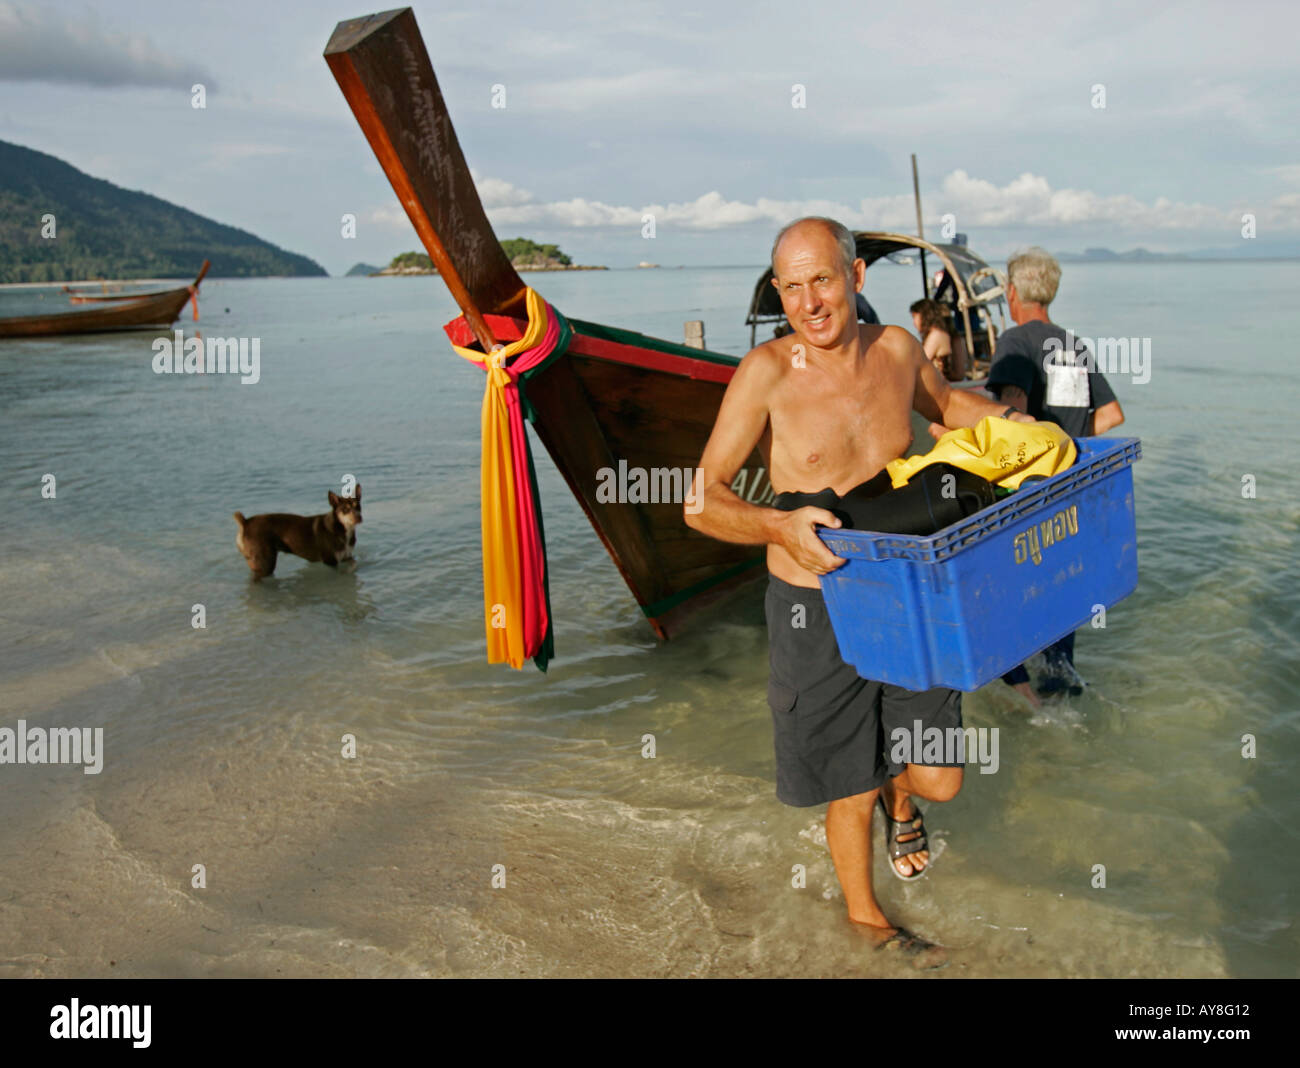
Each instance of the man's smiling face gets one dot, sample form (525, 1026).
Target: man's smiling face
(816, 292)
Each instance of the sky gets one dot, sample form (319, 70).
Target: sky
(688, 111)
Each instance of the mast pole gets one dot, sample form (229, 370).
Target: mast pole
(920, 228)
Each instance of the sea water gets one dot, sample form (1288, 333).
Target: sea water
(327, 779)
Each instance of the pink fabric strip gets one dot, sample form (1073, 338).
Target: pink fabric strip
(531, 559)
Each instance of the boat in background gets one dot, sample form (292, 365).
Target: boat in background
(127, 311)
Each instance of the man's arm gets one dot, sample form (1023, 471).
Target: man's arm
(1108, 413)
(1107, 417)
(952, 408)
(1014, 396)
(725, 516)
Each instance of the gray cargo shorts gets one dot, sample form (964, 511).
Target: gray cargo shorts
(831, 727)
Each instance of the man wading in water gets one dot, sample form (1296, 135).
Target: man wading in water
(832, 403)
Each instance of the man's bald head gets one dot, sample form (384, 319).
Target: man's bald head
(838, 232)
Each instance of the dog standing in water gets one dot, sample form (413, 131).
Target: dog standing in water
(324, 539)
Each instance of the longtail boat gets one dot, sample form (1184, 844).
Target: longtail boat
(128, 311)
(615, 409)
(612, 407)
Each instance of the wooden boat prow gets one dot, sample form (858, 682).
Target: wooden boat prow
(613, 398)
(381, 65)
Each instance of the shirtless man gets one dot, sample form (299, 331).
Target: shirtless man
(832, 403)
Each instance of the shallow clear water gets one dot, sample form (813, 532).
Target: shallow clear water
(223, 745)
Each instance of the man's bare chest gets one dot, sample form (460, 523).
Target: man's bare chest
(826, 432)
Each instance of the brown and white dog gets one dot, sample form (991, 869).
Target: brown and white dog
(324, 539)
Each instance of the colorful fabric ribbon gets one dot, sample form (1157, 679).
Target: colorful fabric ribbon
(516, 594)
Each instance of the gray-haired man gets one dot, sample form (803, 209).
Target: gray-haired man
(1041, 369)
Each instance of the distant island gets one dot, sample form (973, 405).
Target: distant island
(1105, 255)
(103, 231)
(362, 269)
(525, 255)
(1245, 251)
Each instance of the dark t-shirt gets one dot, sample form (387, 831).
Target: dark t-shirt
(1063, 386)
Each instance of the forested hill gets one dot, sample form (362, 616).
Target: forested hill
(104, 231)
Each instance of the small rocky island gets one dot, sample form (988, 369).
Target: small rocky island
(524, 255)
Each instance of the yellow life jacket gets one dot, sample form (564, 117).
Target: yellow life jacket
(996, 449)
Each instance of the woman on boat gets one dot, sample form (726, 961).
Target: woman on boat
(945, 349)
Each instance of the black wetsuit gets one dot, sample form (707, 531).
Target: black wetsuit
(935, 497)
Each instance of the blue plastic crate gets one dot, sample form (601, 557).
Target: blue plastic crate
(962, 607)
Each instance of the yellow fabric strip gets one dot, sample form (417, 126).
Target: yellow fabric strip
(502, 584)
(503, 593)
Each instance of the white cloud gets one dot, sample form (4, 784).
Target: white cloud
(232, 153)
(1026, 201)
(1289, 173)
(389, 217)
(1029, 200)
(495, 193)
(36, 46)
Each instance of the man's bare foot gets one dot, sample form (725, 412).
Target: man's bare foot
(922, 955)
(902, 809)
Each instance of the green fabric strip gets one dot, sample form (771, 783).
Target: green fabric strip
(643, 341)
(546, 653)
(561, 347)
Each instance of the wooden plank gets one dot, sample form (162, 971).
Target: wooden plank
(573, 438)
(383, 69)
(571, 428)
